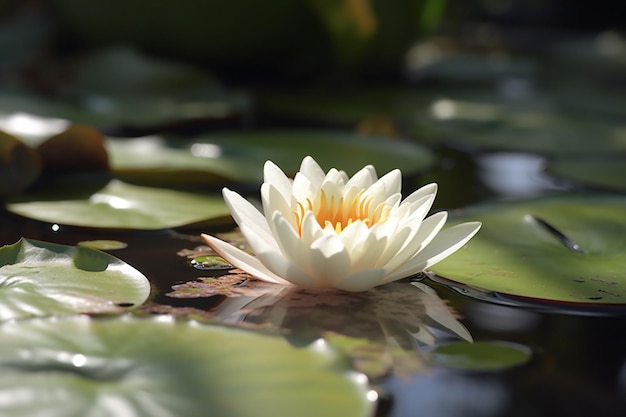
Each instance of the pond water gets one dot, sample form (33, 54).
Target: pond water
(577, 357)
(494, 118)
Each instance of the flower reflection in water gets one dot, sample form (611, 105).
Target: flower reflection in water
(386, 329)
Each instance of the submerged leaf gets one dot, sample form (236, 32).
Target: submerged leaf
(482, 356)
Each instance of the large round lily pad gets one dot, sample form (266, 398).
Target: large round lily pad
(566, 248)
(119, 205)
(77, 366)
(239, 156)
(40, 279)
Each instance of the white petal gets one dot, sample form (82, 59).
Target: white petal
(312, 171)
(245, 213)
(273, 175)
(242, 260)
(311, 229)
(443, 245)
(276, 262)
(366, 252)
(388, 184)
(428, 189)
(420, 236)
(290, 243)
(363, 179)
(362, 280)
(303, 189)
(290, 272)
(274, 201)
(396, 241)
(353, 234)
(330, 260)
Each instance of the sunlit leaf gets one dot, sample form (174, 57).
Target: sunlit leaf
(482, 356)
(240, 156)
(77, 366)
(119, 205)
(565, 248)
(39, 279)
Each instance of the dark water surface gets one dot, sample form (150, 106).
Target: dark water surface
(578, 361)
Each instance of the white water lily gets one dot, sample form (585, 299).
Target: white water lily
(329, 230)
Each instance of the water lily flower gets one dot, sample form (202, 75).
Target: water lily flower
(331, 231)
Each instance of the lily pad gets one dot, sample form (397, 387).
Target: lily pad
(496, 125)
(567, 248)
(119, 87)
(240, 156)
(482, 356)
(608, 171)
(40, 279)
(119, 205)
(79, 366)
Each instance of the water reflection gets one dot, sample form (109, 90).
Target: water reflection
(384, 329)
(447, 394)
(512, 175)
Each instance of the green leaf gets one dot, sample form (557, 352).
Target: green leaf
(40, 279)
(482, 356)
(240, 156)
(608, 171)
(79, 366)
(119, 205)
(567, 248)
(121, 87)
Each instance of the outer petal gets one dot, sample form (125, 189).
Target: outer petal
(420, 237)
(242, 260)
(362, 280)
(443, 245)
(428, 189)
(245, 213)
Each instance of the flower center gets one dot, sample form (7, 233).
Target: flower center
(339, 213)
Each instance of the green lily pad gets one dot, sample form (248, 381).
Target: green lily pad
(79, 366)
(608, 171)
(482, 356)
(567, 248)
(240, 156)
(121, 87)
(40, 279)
(496, 125)
(119, 205)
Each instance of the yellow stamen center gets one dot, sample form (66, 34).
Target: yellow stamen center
(339, 213)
